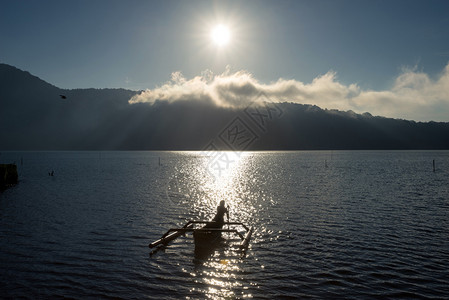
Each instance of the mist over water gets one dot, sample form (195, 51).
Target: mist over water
(348, 224)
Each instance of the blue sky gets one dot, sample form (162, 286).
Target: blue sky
(140, 44)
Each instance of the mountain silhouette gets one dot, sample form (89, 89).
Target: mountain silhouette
(35, 115)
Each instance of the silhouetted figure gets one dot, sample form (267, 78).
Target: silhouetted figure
(51, 173)
(219, 216)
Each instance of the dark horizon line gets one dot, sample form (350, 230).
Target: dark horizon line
(225, 150)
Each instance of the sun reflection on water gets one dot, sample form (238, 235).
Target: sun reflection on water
(197, 188)
(218, 275)
(231, 185)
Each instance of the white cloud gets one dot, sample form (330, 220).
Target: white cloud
(414, 95)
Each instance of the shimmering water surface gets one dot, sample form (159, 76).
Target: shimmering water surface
(346, 224)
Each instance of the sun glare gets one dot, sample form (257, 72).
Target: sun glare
(220, 35)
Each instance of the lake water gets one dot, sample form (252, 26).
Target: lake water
(331, 224)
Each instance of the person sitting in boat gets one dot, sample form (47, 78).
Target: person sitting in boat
(219, 216)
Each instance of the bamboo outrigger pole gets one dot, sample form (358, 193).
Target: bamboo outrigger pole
(174, 233)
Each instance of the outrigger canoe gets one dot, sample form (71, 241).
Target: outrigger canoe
(206, 236)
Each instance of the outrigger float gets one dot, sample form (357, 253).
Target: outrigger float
(206, 236)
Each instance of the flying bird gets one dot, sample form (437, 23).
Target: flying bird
(63, 96)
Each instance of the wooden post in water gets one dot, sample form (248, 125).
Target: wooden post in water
(8, 175)
(434, 165)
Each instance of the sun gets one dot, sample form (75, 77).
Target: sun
(220, 35)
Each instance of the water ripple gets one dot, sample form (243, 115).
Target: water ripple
(370, 225)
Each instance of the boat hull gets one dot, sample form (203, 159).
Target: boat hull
(206, 239)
